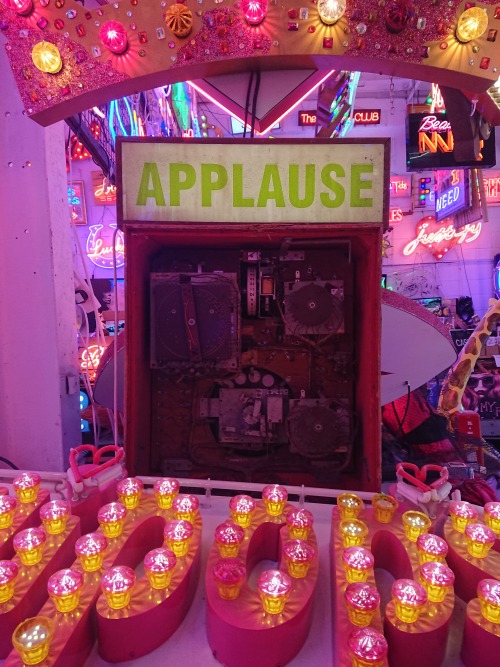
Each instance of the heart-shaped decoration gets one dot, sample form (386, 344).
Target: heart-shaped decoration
(438, 237)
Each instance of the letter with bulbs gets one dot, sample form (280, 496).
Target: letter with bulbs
(61, 590)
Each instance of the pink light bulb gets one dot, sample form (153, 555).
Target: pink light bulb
(28, 544)
(242, 508)
(54, 516)
(229, 575)
(8, 506)
(22, 7)
(165, 490)
(367, 647)
(298, 557)
(362, 602)
(8, 576)
(129, 492)
(64, 588)
(437, 579)
(90, 550)
(114, 36)
(26, 486)
(159, 565)
(488, 592)
(178, 534)
(229, 537)
(117, 584)
(274, 587)
(431, 547)
(274, 497)
(299, 522)
(254, 11)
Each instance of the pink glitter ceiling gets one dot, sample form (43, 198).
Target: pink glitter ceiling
(395, 37)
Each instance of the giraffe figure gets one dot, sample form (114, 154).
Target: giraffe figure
(450, 398)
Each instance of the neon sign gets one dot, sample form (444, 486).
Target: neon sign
(430, 144)
(395, 215)
(492, 187)
(367, 116)
(307, 118)
(400, 186)
(76, 201)
(90, 358)
(439, 239)
(100, 246)
(452, 192)
(104, 192)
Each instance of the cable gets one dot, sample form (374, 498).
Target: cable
(247, 102)
(9, 463)
(254, 104)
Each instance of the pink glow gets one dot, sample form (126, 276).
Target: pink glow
(299, 518)
(242, 504)
(298, 551)
(275, 493)
(274, 583)
(409, 592)
(118, 579)
(437, 574)
(130, 486)
(8, 571)
(7, 504)
(178, 530)
(254, 11)
(111, 512)
(29, 539)
(166, 486)
(432, 544)
(463, 509)
(493, 510)
(114, 36)
(55, 509)
(368, 644)
(160, 560)
(489, 590)
(358, 558)
(28, 480)
(186, 504)
(480, 533)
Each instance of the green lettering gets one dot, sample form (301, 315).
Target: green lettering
(177, 184)
(357, 170)
(271, 187)
(151, 175)
(308, 186)
(208, 185)
(239, 201)
(333, 185)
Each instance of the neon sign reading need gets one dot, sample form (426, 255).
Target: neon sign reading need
(452, 193)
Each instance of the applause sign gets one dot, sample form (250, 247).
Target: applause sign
(261, 181)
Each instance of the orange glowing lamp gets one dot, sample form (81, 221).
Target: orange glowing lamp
(178, 534)
(274, 497)
(32, 639)
(298, 557)
(480, 539)
(159, 565)
(415, 524)
(492, 516)
(117, 584)
(90, 550)
(350, 505)
(8, 506)
(54, 516)
(228, 537)
(437, 579)
(129, 492)
(488, 592)
(165, 490)
(409, 599)
(353, 532)
(64, 588)
(29, 544)
(46, 57)
(8, 576)
(362, 601)
(26, 486)
(299, 522)
(242, 508)
(431, 548)
(274, 588)
(186, 507)
(384, 507)
(462, 513)
(229, 575)
(367, 648)
(358, 563)
(111, 518)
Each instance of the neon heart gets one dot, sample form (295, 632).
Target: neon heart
(440, 237)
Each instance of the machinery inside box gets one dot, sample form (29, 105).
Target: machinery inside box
(252, 361)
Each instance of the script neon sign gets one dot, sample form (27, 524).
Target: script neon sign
(440, 238)
(100, 246)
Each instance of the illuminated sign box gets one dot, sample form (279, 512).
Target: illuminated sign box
(307, 118)
(430, 143)
(366, 116)
(76, 201)
(240, 181)
(491, 182)
(452, 192)
(103, 191)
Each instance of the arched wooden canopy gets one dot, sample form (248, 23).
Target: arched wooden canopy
(395, 37)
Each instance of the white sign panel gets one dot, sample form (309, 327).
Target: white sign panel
(252, 181)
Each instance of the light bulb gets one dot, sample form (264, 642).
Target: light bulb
(330, 11)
